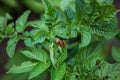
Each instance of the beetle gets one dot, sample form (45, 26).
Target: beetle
(60, 42)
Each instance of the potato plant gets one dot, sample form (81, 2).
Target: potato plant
(68, 42)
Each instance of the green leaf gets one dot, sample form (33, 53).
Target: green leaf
(21, 22)
(40, 36)
(10, 28)
(8, 16)
(3, 23)
(38, 69)
(73, 32)
(82, 9)
(116, 53)
(113, 25)
(108, 70)
(11, 45)
(2, 35)
(54, 3)
(102, 2)
(53, 60)
(57, 74)
(50, 13)
(101, 14)
(28, 42)
(62, 32)
(108, 30)
(62, 4)
(33, 31)
(94, 49)
(26, 34)
(63, 55)
(16, 60)
(24, 67)
(85, 39)
(110, 2)
(90, 62)
(37, 54)
(104, 70)
(106, 13)
(70, 15)
(40, 24)
(106, 34)
(65, 3)
(48, 6)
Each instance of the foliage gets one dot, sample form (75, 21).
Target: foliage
(16, 6)
(92, 22)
